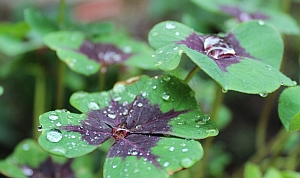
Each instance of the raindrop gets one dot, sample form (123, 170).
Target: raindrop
(185, 150)
(166, 164)
(53, 117)
(171, 148)
(170, 25)
(154, 87)
(153, 56)
(175, 48)
(118, 98)
(177, 33)
(144, 94)
(140, 104)
(224, 90)
(166, 78)
(40, 128)
(93, 106)
(54, 135)
(295, 83)
(186, 162)
(197, 125)
(180, 123)
(261, 22)
(269, 67)
(159, 51)
(112, 116)
(127, 49)
(138, 127)
(211, 131)
(58, 124)
(263, 94)
(119, 88)
(27, 171)
(158, 63)
(114, 166)
(26, 147)
(166, 97)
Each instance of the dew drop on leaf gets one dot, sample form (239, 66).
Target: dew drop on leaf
(138, 127)
(154, 33)
(166, 164)
(171, 148)
(177, 33)
(40, 128)
(114, 166)
(261, 22)
(140, 104)
(93, 106)
(186, 162)
(170, 25)
(158, 63)
(112, 116)
(54, 135)
(224, 90)
(58, 124)
(166, 78)
(185, 150)
(211, 132)
(26, 147)
(27, 171)
(154, 87)
(53, 117)
(263, 94)
(166, 97)
(119, 88)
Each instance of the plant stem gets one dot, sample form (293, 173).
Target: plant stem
(263, 120)
(208, 141)
(39, 100)
(60, 65)
(102, 77)
(191, 74)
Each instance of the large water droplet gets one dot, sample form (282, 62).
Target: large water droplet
(54, 135)
(26, 147)
(112, 116)
(93, 106)
(170, 25)
(27, 171)
(166, 97)
(166, 78)
(140, 104)
(166, 164)
(114, 166)
(186, 162)
(224, 90)
(53, 117)
(172, 148)
(185, 150)
(177, 33)
(211, 132)
(261, 22)
(263, 94)
(154, 87)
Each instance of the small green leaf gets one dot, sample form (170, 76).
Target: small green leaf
(39, 22)
(289, 108)
(252, 171)
(273, 173)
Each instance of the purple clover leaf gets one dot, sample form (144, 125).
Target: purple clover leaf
(244, 60)
(147, 119)
(30, 160)
(241, 11)
(87, 57)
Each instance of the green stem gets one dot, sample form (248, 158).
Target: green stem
(191, 74)
(208, 142)
(60, 65)
(261, 129)
(102, 78)
(39, 100)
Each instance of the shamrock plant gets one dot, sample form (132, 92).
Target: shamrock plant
(146, 119)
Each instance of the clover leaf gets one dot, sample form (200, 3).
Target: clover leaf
(244, 60)
(289, 108)
(86, 57)
(30, 160)
(241, 11)
(144, 116)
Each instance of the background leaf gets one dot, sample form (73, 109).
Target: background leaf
(289, 108)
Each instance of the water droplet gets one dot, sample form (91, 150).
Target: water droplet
(224, 90)
(166, 78)
(261, 22)
(171, 148)
(185, 150)
(40, 128)
(177, 33)
(166, 97)
(166, 164)
(93, 106)
(175, 48)
(118, 98)
(154, 87)
(138, 127)
(158, 63)
(54, 135)
(153, 55)
(269, 67)
(144, 94)
(155, 33)
(127, 49)
(27, 171)
(186, 162)
(180, 123)
(295, 83)
(180, 52)
(170, 25)
(53, 117)
(112, 116)
(114, 166)
(211, 132)
(263, 94)
(119, 88)
(26, 147)
(58, 124)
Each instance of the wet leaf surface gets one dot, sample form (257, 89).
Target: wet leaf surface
(141, 115)
(243, 60)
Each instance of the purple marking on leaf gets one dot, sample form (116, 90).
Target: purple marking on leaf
(243, 16)
(134, 126)
(104, 54)
(223, 51)
(49, 169)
